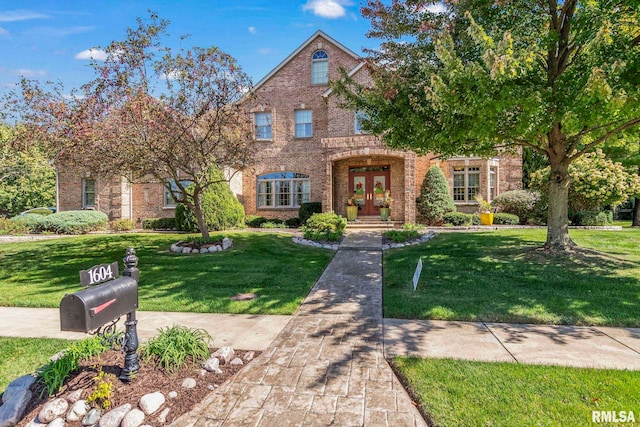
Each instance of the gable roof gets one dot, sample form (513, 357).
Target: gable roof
(318, 33)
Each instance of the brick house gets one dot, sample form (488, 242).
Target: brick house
(309, 149)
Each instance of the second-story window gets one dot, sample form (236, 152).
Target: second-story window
(263, 125)
(303, 124)
(320, 68)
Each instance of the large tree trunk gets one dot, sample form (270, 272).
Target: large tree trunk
(558, 220)
(197, 210)
(636, 212)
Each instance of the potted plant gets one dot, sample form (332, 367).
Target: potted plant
(485, 210)
(352, 210)
(385, 209)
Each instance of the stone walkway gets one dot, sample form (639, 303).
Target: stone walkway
(327, 366)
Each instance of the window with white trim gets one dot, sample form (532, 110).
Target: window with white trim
(320, 68)
(303, 119)
(359, 117)
(169, 200)
(466, 183)
(88, 193)
(283, 190)
(262, 125)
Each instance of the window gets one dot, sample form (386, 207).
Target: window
(359, 117)
(169, 200)
(303, 123)
(263, 125)
(283, 190)
(492, 183)
(466, 183)
(320, 68)
(88, 193)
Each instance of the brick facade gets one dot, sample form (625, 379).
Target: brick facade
(326, 156)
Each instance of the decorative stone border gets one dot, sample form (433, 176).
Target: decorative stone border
(227, 243)
(424, 238)
(305, 242)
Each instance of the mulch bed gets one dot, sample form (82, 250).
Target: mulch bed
(150, 379)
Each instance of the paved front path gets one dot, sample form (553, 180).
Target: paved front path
(327, 366)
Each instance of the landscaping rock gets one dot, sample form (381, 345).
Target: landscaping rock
(58, 422)
(172, 394)
(114, 417)
(212, 249)
(74, 396)
(189, 383)
(34, 423)
(212, 364)
(91, 418)
(204, 250)
(225, 354)
(162, 418)
(151, 402)
(226, 243)
(53, 410)
(134, 418)
(21, 383)
(13, 409)
(218, 248)
(237, 361)
(249, 356)
(78, 410)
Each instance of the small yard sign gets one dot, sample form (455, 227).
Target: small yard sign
(416, 275)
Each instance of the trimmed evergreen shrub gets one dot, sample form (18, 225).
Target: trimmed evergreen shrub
(159, 223)
(521, 203)
(308, 209)
(293, 222)
(33, 222)
(434, 200)
(254, 221)
(324, 226)
(221, 208)
(8, 226)
(66, 222)
(122, 224)
(274, 223)
(457, 219)
(505, 219)
(475, 219)
(401, 236)
(593, 218)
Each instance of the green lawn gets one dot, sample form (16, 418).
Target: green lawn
(501, 277)
(21, 356)
(460, 393)
(38, 274)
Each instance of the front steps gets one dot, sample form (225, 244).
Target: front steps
(372, 222)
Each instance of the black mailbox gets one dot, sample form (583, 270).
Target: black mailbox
(98, 305)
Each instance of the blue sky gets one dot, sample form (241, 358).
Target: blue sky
(50, 39)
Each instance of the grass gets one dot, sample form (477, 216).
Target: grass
(502, 277)
(39, 274)
(462, 393)
(22, 356)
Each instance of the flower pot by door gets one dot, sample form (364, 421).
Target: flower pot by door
(352, 213)
(486, 218)
(384, 214)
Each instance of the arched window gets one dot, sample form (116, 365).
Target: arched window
(283, 190)
(320, 68)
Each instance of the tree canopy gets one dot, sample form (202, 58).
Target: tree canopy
(560, 77)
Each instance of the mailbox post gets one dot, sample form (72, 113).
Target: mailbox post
(107, 298)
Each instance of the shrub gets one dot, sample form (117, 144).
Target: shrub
(67, 222)
(434, 200)
(293, 222)
(324, 226)
(407, 226)
(159, 223)
(185, 219)
(400, 236)
(593, 218)
(177, 346)
(521, 203)
(32, 222)
(274, 223)
(475, 219)
(505, 219)
(308, 209)
(458, 219)
(8, 226)
(123, 224)
(255, 221)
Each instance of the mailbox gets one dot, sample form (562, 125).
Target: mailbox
(98, 305)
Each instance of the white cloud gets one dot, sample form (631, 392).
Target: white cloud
(172, 75)
(437, 8)
(252, 30)
(327, 8)
(20, 15)
(25, 72)
(97, 54)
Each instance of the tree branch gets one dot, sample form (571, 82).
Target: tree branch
(622, 127)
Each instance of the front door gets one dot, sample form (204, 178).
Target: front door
(368, 184)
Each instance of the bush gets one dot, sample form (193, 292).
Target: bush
(67, 222)
(521, 203)
(8, 226)
(159, 223)
(434, 200)
(505, 219)
(254, 221)
(177, 346)
(593, 218)
(400, 236)
(293, 222)
(458, 219)
(407, 226)
(185, 219)
(123, 224)
(274, 223)
(308, 209)
(324, 226)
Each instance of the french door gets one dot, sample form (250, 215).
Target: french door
(368, 185)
